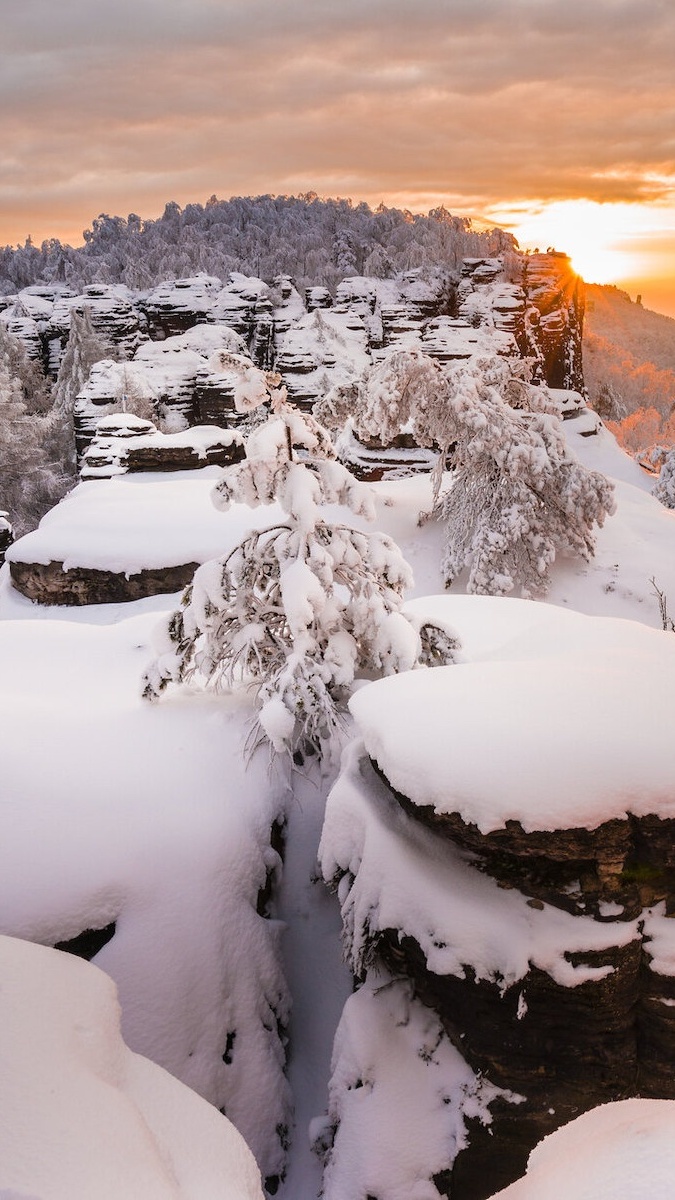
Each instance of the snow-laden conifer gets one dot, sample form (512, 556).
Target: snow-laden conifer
(301, 607)
(517, 496)
(664, 488)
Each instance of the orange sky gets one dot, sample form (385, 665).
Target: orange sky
(555, 118)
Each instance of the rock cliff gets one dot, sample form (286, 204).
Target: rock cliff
(531, 913)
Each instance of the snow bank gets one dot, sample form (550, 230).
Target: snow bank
(81, 1115)
(128, 524)
(114, 810)
(553, 719)
(396, 874)
(621, 1151)
(398, 1097)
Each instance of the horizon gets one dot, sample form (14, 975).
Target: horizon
(552, 122)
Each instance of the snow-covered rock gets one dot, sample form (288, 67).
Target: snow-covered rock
(500, 843)
(622, 1151)
(150, 819)
(127, 444)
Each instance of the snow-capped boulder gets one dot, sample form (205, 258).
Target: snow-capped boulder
(625, 1151)
(121, 538)
(127, 444)
(83, 1116)
(499, 842)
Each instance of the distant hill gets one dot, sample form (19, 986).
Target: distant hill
(629, 367)
(648, 336)
(317, 242)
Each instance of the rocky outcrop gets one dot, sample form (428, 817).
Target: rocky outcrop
(115, 316)
(126, 444)
(560, 1047)
(161, 382)
(556, 301)
(545, 947)
(52, 583)
(179, 305)
(542, 305)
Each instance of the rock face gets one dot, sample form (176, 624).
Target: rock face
(542, 307)
(535, 301)
(164, 380)
(564, 1049)
(127, 444)
(547, 954)
(561, 1049)
(556, 303)
(52, 583)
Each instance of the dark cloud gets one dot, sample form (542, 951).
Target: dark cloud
(120, 107)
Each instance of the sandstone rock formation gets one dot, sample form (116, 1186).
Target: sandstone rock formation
(54, 583)
(525, 891)
(125, 443)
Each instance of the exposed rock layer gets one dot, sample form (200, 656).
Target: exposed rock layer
(51, 583)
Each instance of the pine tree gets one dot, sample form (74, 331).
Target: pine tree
(30, 483)
(299, 608)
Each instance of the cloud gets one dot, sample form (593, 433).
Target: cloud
(124, 106)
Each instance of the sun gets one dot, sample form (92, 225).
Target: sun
(598, 264)
(595, 236)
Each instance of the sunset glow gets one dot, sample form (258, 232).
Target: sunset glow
(607, 243)
(555, 120)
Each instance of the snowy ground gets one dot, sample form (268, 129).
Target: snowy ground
(84, 1117)
(113, 810)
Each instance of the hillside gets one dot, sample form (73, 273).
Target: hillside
(648, 336)
(496, 839)
(629, 367)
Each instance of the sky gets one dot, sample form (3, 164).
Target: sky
(553, 118)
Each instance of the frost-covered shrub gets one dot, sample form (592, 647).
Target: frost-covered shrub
(664, 488)
(298, 609)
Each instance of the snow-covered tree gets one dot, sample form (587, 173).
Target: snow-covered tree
(6, 534)
(517, 496)
(30, 483)
(27, 372)
(301, 607)
(84, 348)
(664, 488)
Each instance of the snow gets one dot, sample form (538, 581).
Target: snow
(150, 817)
(137, 522)
(398, 1077)
(523, 698)
(399, 875)
(83, 1115)
(620, 1151)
